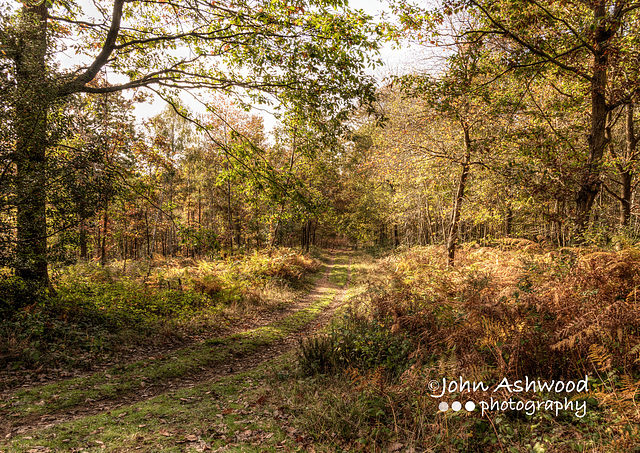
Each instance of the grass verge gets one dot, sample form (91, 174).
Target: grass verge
(236, 412)
(137, 376)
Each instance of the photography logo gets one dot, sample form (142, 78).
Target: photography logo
(571, 389)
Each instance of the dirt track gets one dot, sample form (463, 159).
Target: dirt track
(236, 364)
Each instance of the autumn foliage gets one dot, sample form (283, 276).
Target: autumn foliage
(513, 311)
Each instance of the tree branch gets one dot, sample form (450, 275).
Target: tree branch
(80, 81)
(511, 35)
(618, 197)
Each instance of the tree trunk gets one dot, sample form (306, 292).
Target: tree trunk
(31, 110)
(83, 240)
(590, 182)
(313, 231)
(625, 198)
(430, 235)
(455, 215)
(238, 230)
(276, 232)
(151, 250)
(229, 214)
(303, 235)
(103, 246)
(509, 224)
(631, 141)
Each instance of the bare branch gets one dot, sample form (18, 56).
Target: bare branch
(615, 195)
(77, 22)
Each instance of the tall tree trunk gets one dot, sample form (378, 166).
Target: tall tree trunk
(151, 250)
(429, 221)
(105, 225)
(455, 215)
(238, 230)
(625, 197)
(624, 166)
(31, 110)
(631, 142)
(276, 232)
(83, 239)
(509, 224)
(590, 182)
(443, 216)
(147, 234)
(308, 235)
(313, 231)
(229, 215)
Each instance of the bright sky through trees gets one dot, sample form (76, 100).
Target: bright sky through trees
(395, 60)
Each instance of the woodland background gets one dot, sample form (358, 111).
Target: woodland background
(475, 215)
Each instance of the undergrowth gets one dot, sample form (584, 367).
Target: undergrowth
(96, 312)
(516, 313)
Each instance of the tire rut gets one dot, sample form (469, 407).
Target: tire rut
(234, 365)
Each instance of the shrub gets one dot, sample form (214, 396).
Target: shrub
(17, 293)
(356, 342)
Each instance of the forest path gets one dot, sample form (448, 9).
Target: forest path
(25, 410)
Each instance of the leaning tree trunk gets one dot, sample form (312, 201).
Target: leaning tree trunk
(624, 165)
(625, 198)
(455, 215)
(31, 110)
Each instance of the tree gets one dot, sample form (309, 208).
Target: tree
(307, 52)
(592, 42)
(625, 160)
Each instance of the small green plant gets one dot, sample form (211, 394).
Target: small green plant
(317, 354)
(356, 342)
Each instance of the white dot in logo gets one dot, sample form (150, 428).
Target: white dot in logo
(456, 406)
(470, 406)
(444, 407)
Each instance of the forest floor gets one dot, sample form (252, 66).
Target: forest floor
(209, 395)
(345, 357)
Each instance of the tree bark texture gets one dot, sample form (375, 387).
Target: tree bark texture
(31, 110)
